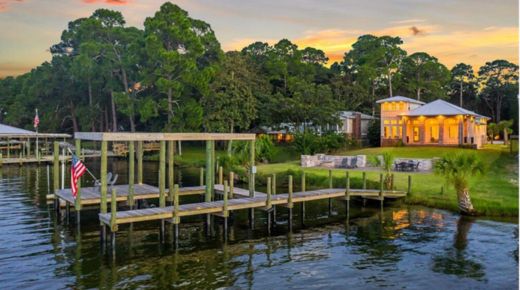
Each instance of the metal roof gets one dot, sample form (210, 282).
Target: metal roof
(6, 129)
(352, 115)
(441, 107)
(400, 99)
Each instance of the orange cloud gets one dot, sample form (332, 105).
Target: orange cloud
(4, 4)
(474, 47)
(111, 2)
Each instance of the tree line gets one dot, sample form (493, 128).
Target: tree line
(173, 75)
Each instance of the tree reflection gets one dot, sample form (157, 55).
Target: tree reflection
(455, 260)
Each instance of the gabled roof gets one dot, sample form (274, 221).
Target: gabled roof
(352, 114)
(441, 107)
(6, 129)
(400, 99)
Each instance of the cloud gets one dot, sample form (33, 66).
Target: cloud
(111, 2)
(408, 21)
(449, 46)
(4, 4)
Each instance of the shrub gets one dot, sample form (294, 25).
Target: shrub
(374, 133)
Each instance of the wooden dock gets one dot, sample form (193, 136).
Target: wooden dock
(218, 206)
(92, 195)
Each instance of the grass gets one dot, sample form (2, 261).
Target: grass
(493, 194)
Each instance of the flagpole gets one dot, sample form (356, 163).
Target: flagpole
(72, 153)
(37, 151)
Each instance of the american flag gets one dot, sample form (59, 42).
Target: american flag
(76, 171)
(36, 119)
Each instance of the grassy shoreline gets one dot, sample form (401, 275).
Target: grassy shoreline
(493, 194)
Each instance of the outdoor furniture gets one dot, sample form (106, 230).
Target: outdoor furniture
(352, 164)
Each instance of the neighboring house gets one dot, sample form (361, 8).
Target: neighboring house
(355, 124)
(437, 123)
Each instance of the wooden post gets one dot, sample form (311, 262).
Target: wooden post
(56, 173)
(113, 219)
(330, 178)
(364, 180)
(103, 177)
(176, 204)
(347, 193)
(77, 201)
(225, 197)
(381, 197)
(252, 168)
(347, 186)
(209, 179)
(162, 177)
(290, 201)
(171, 178)
(225, 211)
(201, 176)
(231, 184)
(268, 205)
(113, 210)
(1, 159)
(209, 170)
(8, 147)
(139, 162)
(409, 184)
(268, 200)
(273, 191)
(176, 218)
(303, 181)
(290, 197)
(220, 175)
(330, 186)
(131, 173)
(302, 205)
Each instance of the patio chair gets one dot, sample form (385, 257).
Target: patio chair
(416, 167)
(110, 182)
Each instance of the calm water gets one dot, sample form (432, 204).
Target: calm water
(401, 247)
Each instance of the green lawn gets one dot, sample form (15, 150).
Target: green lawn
(493, 194)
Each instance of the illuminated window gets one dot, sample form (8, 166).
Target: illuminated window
(386, 131)
(400, 132)
(394, 122)
(387, 122)
(415, 134)
(394, 132)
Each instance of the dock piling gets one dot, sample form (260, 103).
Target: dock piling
(273, 191)
(381, 197)
(302, 205)
(140, 162)
(103, 177)
(290, 201)
(409, 190)
(330, 186)
(220, 175)
(131, 173)
(225, 208)
(171, 176)
(268, 205)
(347, 193)
(176, 219)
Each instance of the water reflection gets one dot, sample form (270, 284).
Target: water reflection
(397, 247)
(454, 260)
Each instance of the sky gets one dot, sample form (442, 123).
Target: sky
(469, 31)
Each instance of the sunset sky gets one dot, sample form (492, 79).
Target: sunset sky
(470, 31)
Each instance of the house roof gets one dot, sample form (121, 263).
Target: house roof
(400, 99)
(6, 129)
(352, 114)
(441, 107)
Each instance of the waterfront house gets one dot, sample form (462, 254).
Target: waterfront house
(437, 123)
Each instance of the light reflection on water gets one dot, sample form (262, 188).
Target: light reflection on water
(401, 247)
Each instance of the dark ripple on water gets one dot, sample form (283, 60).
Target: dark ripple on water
(405, 247)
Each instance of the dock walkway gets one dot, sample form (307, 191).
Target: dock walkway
(217, 207)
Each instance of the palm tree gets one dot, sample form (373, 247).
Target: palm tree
(457, 169)
(386, 162)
